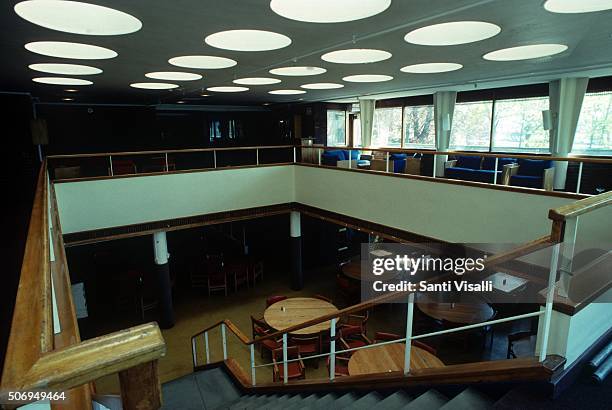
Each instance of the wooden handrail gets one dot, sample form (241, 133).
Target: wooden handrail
(574, 158)
(580, 207)
(231, 326)
(170, 151)
(521, 250)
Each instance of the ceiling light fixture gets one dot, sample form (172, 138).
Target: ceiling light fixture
(247, 40)
(298, 71)
(67, 99)
(256, 81)
(61, 81)
(367, 78)
(453, 33)
(69, 69)
(173, 76)
(227, 89)
(63, 49)
(154, 86)
(202, 62)
(71, 90)
(356, 56)
(325, 11)
(430, 68)
(525, 52)
(287, 92)
(322, 86)
(577, 6)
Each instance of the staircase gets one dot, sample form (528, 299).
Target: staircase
(213, 389)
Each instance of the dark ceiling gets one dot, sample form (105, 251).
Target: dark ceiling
(178, 27)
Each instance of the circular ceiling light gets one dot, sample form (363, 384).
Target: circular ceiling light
(61, 81)
(64, 49)
(367, 78)
(154, 86)
(322, 86)
(287, 92)
(325, 11)
(69, 69)
(453, 33)
(202, 62)
(525, 52)
(71, 90)
(256, 81)
(429, 68)
(248, 40)
(298, 71)
(78, 18)
(173, 76)
(356, 56)
(227, 89)
(67, 99)
(577, 6)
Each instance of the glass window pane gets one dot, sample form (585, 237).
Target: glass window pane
(471, 126)
(357, 131)
(595, 125)
(517, 125)
(336, 128)
(420, 131)
(387, 129)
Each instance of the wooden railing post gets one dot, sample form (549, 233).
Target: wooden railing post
(140, 387)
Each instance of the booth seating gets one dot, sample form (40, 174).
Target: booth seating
(533, 173)
(477, 169)
(340, 158)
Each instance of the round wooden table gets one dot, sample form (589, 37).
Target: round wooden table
(457, 313)
(293, 311)
(390, 358)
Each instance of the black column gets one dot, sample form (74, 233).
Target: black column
(297, 278)
(164, 294)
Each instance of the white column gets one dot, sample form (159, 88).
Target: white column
(366, 118)
(160, 248)
(444, 107)
(566, 96)
(295, 232)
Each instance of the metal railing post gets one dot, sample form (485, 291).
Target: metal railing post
(332, 350)
(409, 318)
(224, 338)
(257, 155)
(495, 169)
(110, 168)
(166, 155)
(253, 364)
(193, 352)
(206, 347)
(285, 370)
(319, 156)
(350, 159)
(435, 165)
(579, 177)
(294, 154)
(387, 168)
(550, 293)
(214, 159)
(567, 256)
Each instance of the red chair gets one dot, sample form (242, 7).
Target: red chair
(346, 290)
(387, 337)
(352, 337)
(260, 328)
(217, 281)
(295, 369)
(273, 299)
(239, 271)
(257, 272)
(356, 320)
(341, 368)
(323, 298)
(308, 345)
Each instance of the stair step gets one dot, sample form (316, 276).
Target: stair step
(430, 400)
(368, 401)
(344, 401)
(216, 387)
(325, 402)
(395, 401)
(469, 399)
(305, 403)
(244, 402)
(183, 394)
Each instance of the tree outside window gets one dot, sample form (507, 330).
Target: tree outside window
(595, 125)
(419, 127)
(517, 125)
(336, 128)
(387, 127)
(471, 127)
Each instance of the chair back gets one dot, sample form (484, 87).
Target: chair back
(292, 353)
(273, 299)
(305, 340)
(425, 347)
(385, 337)
(258, 326)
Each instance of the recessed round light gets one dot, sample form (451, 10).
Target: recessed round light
(248, 40)
(428, 68)
(257, 81)
(356, 56)
(61, 81)
(180, 102)
(173, 76)
(70, 69)
(227, 89)
(367, 78)
(78, 18)
(154, 86)
(322, 86)
(204, 95)
(71, 90)
(202, 62)
(67, 99)
(287, 92)
(63, 49)
(525, 52)
(298, 71)
(577, 6)
(453, 33)
(325, 11)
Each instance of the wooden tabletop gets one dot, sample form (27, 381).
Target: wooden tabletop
(459, 313)
(293, 311)
(390, 358)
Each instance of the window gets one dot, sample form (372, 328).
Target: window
(517, 125)
(419, 127)
(357, 131)
(387, 128)
(336, 128)
(595, 125)
(471, 127)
